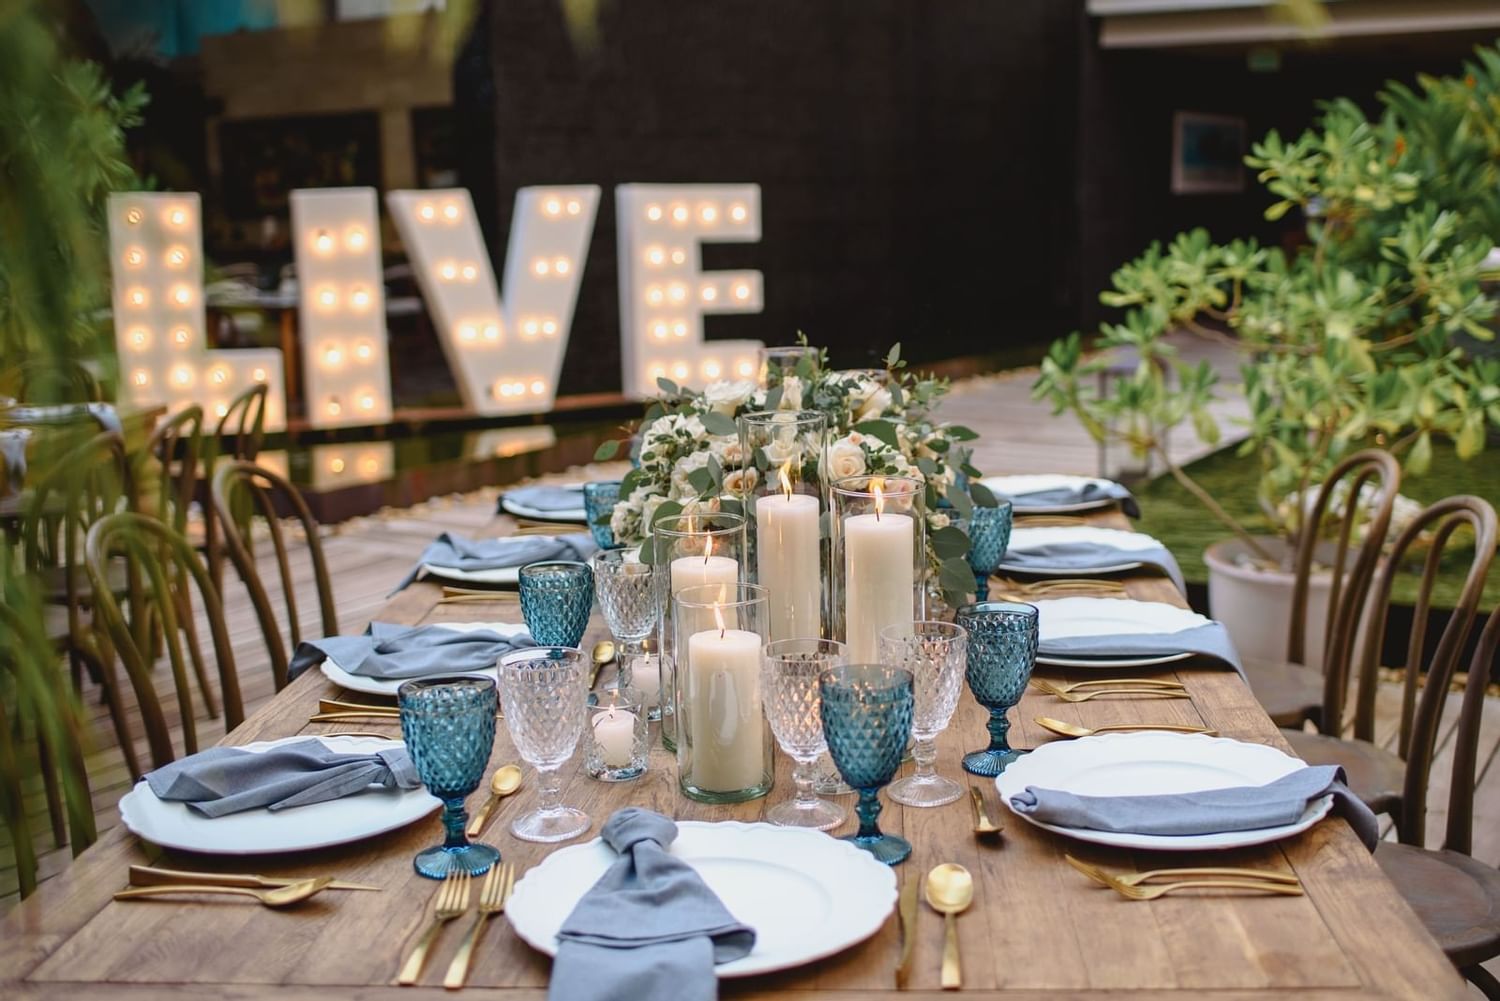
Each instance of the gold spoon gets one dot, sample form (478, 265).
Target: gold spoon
(604, 652)
(282, 896)
(1062, 729)
(506, 780)
(950, 890)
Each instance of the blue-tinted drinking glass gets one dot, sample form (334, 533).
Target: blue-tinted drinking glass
(599, 500)
(1002, 652)
(556, 598)
(867, 712)
(449, 728)
(989, 535)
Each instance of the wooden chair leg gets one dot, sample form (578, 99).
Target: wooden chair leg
(51, 790)
(189, 628)
(104, 660)
(1484, 980)
(13, 811)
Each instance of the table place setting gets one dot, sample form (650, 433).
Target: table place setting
(494, 562)
(378, 661)
(1086, 549)
(1107, 632)
(1057, 493)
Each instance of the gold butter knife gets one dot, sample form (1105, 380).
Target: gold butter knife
(908, 927)
(145, 875)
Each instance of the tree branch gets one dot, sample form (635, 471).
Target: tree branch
(1214, 508)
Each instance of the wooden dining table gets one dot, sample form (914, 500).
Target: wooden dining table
(1038, 930)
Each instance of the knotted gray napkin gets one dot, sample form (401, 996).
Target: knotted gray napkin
(543, 497)
(389, 651)
(1084, 493)
(1084, 556)
(650, 928)
(459, 553)
(225, 780)
(1209, 640)
(1212, 811)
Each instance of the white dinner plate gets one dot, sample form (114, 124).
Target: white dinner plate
(1023, 539)
(500, 575)
(1111, 662)
(1010, 486)
(1059, 618)
(1149, 764)
(298, 829)
(388, 686)
(576, 515)
(807, 895)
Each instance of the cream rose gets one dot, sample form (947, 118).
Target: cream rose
(726, 397)
(741, 481)
(791, 393)
(874, 406)
(846, 458)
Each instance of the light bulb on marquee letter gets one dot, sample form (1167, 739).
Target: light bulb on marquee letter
(158, 309)
(662, 288)
(505, 346)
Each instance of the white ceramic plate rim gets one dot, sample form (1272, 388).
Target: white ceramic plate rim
(1100, 662)
(307, 827)
(862, 890)
(1045, 481)
(499, 575)
(1023, 538)
(566, 515)
(1264, 764)
(1037, 571)
(1064, 618)
(388, 686)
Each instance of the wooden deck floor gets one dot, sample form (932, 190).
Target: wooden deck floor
(369, 555)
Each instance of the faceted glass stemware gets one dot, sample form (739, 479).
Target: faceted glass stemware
(449, 728)
(545, 694)
(599, 500)
(789, 685)
(867, 712)
(1002, 652)
(934, 652)
(556, 598)
(989, 536)
(630, 598)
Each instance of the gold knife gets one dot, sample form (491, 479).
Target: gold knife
(908, 927)
(145, 875)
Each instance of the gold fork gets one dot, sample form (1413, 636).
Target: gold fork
(452, 901)
(1106, 878)
(1096, 693)
(492, 897)
(982, 822)
(1047, 521)
(1155, 890)
(1053, 688)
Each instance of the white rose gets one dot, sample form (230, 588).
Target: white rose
(728, 451)
(686, 466)
(846, 458)
(741, 481)
(791, 393)
(874, 406)
(779, 453)
(648, 513)
(860, 388)
(938, 519)
(726, 397)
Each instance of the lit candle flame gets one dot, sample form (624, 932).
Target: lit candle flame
(786, 482)
(719, 618)
(708, 547)
(875, 486)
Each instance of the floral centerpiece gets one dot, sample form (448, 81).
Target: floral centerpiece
(689, 458)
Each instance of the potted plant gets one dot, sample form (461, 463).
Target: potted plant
(1356, 338)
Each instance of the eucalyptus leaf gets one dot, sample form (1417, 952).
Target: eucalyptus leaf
(960, 501)
(949, 542)
(982, 495)
(607, 450)
(956, 576)
(716, 423)
(883, 431)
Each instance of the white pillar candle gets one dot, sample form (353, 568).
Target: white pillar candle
(691, 571)
(786, 556)
(645, 677)
(879, 579)
(614, 732)
(724, 709)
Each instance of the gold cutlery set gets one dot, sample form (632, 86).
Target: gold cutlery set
(1058, 587)
(332, 710)
(149, 881)
(949, 891)
(1160, 882)
(450, 903)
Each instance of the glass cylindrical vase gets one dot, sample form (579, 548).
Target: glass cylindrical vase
(879, 563)
(785, 494)
(691, 550)
(723, 738)
(779, 362)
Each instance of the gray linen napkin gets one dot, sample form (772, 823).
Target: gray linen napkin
(545, 497)
(225, 780)
(1083, 494)
(460, 553)
(1086, 556)
(391, 651)
(650, 928)
(1212, 811)
(1209, 640)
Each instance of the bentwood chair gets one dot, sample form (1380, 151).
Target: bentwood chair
(169, 567)
(239, 436)
(1380, 777)
(1457, 897)
(238, 483)
(1359, 493)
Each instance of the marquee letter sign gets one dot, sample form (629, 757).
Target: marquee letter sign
(664, 293)
(341, 313)
(506, 349)
(156, 246)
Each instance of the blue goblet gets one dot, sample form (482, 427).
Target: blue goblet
(556, 598)
(989, 535)
(867, 711)
(449, 728)
(599, 500)
(1002, 652)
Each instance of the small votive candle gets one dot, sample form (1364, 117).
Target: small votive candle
(645, 677)
(617, 736)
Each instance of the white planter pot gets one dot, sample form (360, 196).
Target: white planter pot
(1255, 605)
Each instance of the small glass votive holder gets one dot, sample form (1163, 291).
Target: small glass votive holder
(599, 500)
(616, 735)
(643, 673)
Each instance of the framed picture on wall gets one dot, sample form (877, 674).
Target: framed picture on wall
(1207, 153)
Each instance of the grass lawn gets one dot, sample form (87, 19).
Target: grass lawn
(1172, 514)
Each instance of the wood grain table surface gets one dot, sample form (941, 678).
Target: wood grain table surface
(1038, 929)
